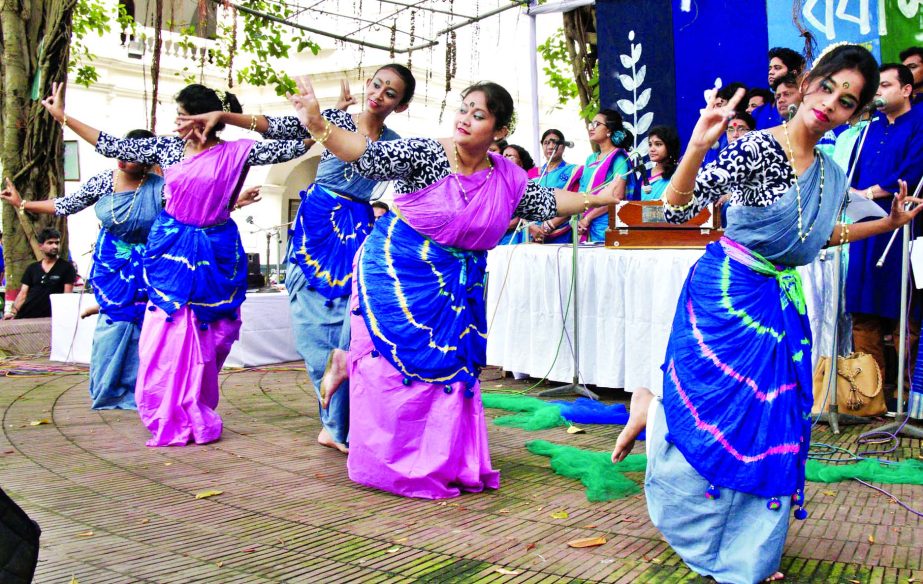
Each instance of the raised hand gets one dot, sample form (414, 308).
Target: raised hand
(197, 127)
(305, 103)
(249, 196)
(713, 120)
(10, 194)
(903, 207)
(346, 96)
(54, 103)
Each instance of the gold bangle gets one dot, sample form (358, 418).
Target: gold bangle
(842, 233)
(64, 122)
(22, 206)
(252, 127)
(847, 233)
(586, 202)
(327, 129)
(679, 192)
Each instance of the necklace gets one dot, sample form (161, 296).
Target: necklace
(130, 205)
(348, 176)
(455, 174)
(802, 235)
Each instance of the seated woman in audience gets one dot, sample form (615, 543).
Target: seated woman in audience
(521, 158)
(663, 148)
(609, 164)
(556, 174)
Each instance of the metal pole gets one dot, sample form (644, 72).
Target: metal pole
(902, 345)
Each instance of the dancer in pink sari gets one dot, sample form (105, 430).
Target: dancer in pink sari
(418, 322)
(194, 265)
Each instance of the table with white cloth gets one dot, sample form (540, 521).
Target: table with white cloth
(626, 300)
(265, 333)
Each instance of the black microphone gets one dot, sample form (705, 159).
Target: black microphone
(792, 109)
(566, 144)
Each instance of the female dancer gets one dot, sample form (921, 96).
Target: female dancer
(333, 220)
(663, 145)
(194, 264)
(557, 174)
(728, 438)
(418, 320)
(610, 164)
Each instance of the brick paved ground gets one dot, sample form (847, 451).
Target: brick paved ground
(115, 511)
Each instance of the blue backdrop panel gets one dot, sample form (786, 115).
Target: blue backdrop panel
(654, 32)
(717, 38)
(830, 21)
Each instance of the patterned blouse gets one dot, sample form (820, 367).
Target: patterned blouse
(89, 192)
(168, 150)
(754, 171)
(291, 128)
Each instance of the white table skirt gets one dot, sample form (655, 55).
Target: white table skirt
(626, 303)
(265, 335)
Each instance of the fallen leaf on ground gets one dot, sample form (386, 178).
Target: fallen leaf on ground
(249, 550)
(506, 572)
(587, 542)
(871, 539)
(74, 580)
(208, 493)
(39, 422)
(219, 564)
(560, 514)
(575, 430)
(145, 521)
(393, 549)
(9, 452)
(503, 511)
(167, 463)
(829, 493)
(855, 582)
(401, 539)
(530, 547)
(590, 526)
(85, 534)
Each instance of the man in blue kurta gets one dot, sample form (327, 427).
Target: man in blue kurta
(893, 151)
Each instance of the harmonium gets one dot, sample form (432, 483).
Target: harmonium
(641, 225)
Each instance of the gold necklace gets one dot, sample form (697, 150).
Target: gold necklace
(455, 174)
(130, 205)
(791, 162)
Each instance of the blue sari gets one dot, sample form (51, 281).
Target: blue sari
(737, 390)
(117, 278)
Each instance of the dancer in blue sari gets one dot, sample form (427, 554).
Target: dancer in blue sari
(127, 201)
(728, 437)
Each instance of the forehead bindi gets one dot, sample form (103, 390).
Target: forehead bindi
(848, 84)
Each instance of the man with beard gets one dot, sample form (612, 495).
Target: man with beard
(912, 58)
(50, 276)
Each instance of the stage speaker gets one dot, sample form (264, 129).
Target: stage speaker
(255, 277)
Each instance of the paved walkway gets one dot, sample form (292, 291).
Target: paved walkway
(115, 511)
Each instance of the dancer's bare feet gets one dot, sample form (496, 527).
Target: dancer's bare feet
(334, 376)
(637, 421)
(325, 439)
(775, 577)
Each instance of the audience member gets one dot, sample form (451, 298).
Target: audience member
(498, 146)
(520, 156)
(556, 173)
(663, 151)
(892, 150)
(742, 124)
(52, 275)
(788, 96)
(758, 97)
(912, 58)
(782, 62)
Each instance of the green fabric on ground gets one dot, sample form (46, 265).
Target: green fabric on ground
(905, 472)
(603, 480)
(536, 414)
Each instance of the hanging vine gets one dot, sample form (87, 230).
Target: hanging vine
(451, 66)
(393, 38)
(413, 37)
(155, 64)
(232, 44)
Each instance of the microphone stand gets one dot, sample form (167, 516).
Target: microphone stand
(901, 424)
(575, 386)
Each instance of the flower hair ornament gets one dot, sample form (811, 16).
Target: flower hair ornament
(511, 126)
(223, 98)
(617, 137)
(830, 48)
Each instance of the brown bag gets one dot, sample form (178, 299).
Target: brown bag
(858, 385)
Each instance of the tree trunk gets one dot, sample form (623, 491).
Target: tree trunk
(34, 41)
(580, 36)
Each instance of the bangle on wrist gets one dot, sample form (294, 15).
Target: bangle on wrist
(586, 202)
(64, 121)
(870, 193)
(22, 205)
(252, 127)
(328, 128)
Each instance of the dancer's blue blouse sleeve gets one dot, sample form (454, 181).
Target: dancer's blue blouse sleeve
(88, 194)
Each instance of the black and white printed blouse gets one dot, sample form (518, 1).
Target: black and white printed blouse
(754, 171)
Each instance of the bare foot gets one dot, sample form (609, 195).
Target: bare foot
(776, 576)
(325, 439)
(637, 421)
(334, 376)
